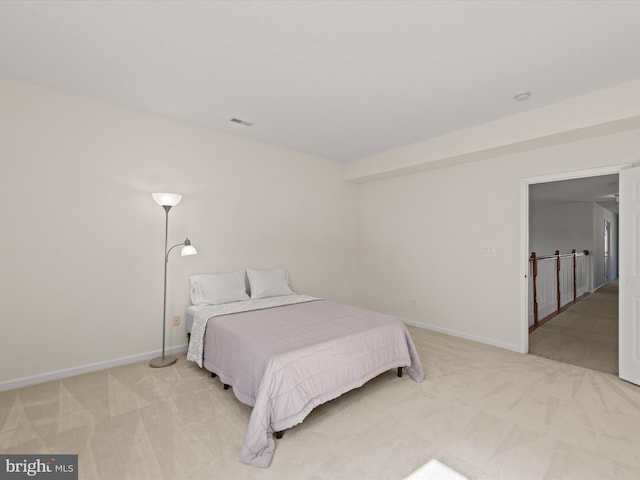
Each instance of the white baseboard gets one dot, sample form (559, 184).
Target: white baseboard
(70, 372)
(453, 333)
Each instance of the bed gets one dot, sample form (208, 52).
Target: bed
(284, 355)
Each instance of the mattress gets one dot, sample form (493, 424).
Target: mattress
(191, 314)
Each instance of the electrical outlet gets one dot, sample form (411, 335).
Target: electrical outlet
(176, 320)
(414, 302)
(491, 250)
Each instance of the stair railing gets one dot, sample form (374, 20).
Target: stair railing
(556, 281)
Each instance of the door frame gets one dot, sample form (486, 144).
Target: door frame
(606, 233)
(523, 320)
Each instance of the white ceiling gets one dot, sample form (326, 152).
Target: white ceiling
(600, 189)
(337, 79)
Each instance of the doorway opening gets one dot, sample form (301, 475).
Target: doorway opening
(561, 213)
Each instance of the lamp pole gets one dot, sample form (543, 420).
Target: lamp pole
(164, 361)
(166, 201)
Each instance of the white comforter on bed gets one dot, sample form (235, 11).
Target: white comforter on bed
(285, 361)
(196, 343)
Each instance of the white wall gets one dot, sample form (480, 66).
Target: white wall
(421, 236)
(579, 225)
(81, 250)
(561, 226)
(81, 244)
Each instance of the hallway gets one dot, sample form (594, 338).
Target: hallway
(586, 334)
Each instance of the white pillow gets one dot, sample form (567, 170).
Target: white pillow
(214, 289)
(268, 283)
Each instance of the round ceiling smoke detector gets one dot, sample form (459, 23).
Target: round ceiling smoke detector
(522, 97)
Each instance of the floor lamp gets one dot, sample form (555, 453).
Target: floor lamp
(166, 201)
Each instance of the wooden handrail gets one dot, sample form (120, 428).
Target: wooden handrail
(563, 255)
(575, 261)
(558, 278)
(533, 259)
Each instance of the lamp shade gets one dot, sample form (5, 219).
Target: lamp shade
(167, 199)
(188, 249)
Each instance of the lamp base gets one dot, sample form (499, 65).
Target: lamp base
(163, 361)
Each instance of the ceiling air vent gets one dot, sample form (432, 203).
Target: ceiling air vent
(241, 122)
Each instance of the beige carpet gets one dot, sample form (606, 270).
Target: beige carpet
(485, 412)
(586, 334)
